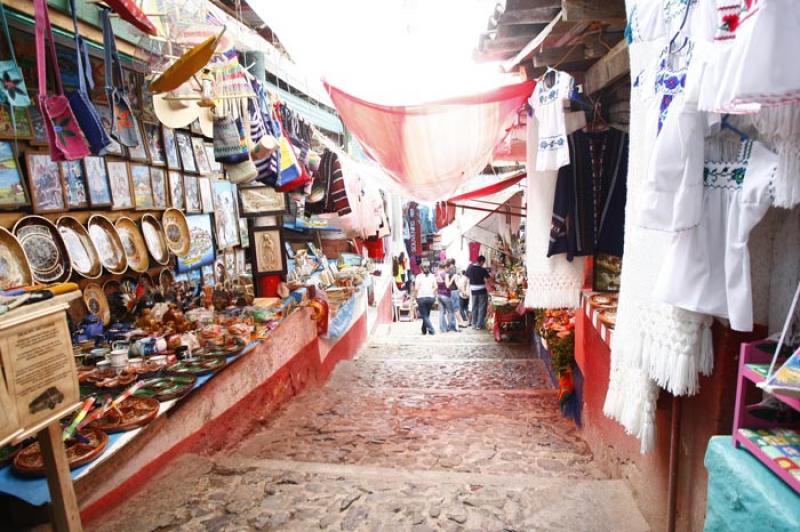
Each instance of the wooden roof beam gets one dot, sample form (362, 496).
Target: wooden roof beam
(535, 43)
(613, 66)
(592, 10)
(534, 15)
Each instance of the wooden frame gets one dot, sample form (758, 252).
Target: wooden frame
(39, 137)
(120, 185)
(101, 181)
(141, 186)
(65, 167)
(177, 190)
(272, 201)
(200, 156)
(183, 142)
(225, 214)
(171, 154)
(158, 181)
(153, 139)
(56, 202)
(10, 163)
(206, 194)
(191, 191)
(212, 161)
(139, 153)
(24, 130)
(264, 240)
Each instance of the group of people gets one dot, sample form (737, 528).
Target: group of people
(455, 291)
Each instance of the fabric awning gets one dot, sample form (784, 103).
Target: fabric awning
(431, 149)
(491, 189)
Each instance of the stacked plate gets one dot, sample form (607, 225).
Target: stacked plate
(44, 248)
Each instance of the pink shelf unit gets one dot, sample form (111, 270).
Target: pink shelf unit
(776, 445)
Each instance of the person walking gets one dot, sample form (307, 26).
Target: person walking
(477, 276)
(425, 287)
(452, 283)
(447, 317)
(462, 283)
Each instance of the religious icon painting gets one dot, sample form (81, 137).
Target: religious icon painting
(225, 217)
(44, 178)
(74, 183)
(119, 181)
(267, 250)
(244, 233)
(12, 189)
(97, 181)
(192, 193)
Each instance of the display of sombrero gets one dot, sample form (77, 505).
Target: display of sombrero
(97, 302)
(133, 244)
(186, 66)
(44, 248)
(82, 252)
(176, 229)
(14, 268)
(108, 243)
(153, 234)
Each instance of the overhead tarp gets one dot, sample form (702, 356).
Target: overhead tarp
(492, 188)
(431, 149)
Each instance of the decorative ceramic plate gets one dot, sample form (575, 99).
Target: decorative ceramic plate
(176, 229)
(29, 461)
(14, 268)
(44, 249)
(82, 252)
(603, 300)
(609, 317)
(109, 245)
(97, 302)
(133, 244)
(166, 280)
(204, 366)
(154, 238)
(167, 388)
(132, 413)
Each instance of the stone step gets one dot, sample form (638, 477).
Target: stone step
(452, 352)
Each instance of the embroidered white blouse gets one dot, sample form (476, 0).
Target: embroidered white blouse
(547, 102)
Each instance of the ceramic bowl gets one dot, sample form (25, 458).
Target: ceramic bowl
(176, 230)
(154, 238)
(133, 244)
(108, 243)
(14, 268)
(97, 303)
(44, 248)
(82, 253)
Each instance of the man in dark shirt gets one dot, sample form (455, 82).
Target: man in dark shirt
(477, 276)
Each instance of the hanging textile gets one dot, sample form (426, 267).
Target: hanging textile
(430, 149)
(548, 106)
(488, 190)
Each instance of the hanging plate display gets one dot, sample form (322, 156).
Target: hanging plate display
(176, 229)
(29, 461)
(96, 302)
(109, 246)
(14, 268)
(82, 252)
(44, 248)
(167, 388)
(166, 280)
(186, 65)
(200, 367)
(132, 413)
(154, 238)
(133, 244)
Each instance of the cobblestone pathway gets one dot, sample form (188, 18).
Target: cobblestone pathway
(451, 432)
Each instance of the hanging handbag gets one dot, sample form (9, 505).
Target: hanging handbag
(82, 105)
(64, 136)
(230, 146)
(123, 122)
(12, 85)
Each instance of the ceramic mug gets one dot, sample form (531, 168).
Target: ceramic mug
(119, 355)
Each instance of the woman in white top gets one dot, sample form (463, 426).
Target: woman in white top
(425, 288)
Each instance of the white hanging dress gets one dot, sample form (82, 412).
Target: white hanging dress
(548, 106)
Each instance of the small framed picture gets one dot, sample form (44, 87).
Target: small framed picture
(225, 217)
(138, 153)
(155, 148)
(74, 183)
(97, 181)
(158, 180)
(142, 186)
(177, 196)
(192, 192)
(44, 178)
(195, 128)
(12, 190)
(184, 141)
(39, 137)
(120, 182)
(200, 156)
(206, 195)
(24, 129)
(244, 233)
(212, 161)
(241, 261)
(262, 200)
(104, 112)
(133, 81)
(171, 154)
(267, 250)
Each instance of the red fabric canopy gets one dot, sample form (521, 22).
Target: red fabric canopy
(431, 149)
(490, 189)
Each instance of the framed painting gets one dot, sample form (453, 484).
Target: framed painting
(177, 195)
(104, 112)
(39, 137)
(206, 195)
(12, 190)
(158, 180)
(183, 139)
(142, 186)
(44, 179)
(241, 261)
(120, 182)
(225, 217)
(200, 156)
(267, 250)
(201, 253)
(171, 154)
(244, 233)
(155, 148)
(192, 192)
(212, 161)
(262, 200)
(133, 81)
(23, 130)
(138, 153)
(73, 179)
(97, 181)
(195, 128)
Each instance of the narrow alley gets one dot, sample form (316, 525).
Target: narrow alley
(445, 432)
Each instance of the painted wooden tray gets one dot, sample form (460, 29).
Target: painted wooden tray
(176, 229)
(153, 234)
(108, 243)
(29, 461)
(16, 271)
(82, 252)
(167, 388)
(132, 413)
(44, 248)
(203, 366)
(134, 245)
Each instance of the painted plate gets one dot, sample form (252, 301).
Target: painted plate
(30, 462)
(154, 238)
(166, 388)
(109, 245)
(97, 302)
(176, 229)
(132, 413)
(44, 248)
(82, 253)
(133, 244)
(14, 268)
(203, 366)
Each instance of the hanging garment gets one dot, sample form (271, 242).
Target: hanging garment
(645, 20)
(124, 127)
(779, 127)
(548, 106)
(553, 282)
(707, 269)
(586, 190)
(330, 170)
